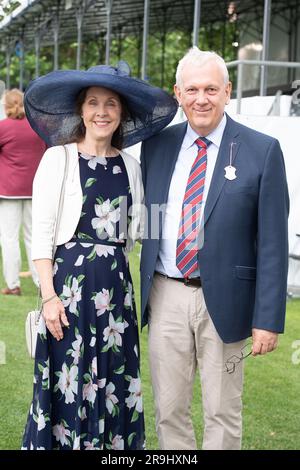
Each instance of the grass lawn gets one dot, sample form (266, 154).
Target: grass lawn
(272, 383)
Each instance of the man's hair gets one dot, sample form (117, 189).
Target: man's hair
(197, 57)
(13, 104)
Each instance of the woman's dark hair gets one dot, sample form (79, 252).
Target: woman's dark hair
(79, 131)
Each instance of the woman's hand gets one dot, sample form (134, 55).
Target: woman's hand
(55, 317)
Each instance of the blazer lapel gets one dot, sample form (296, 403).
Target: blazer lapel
(223, 159)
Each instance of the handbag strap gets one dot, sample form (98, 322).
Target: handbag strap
(61, 200)
(58, 215)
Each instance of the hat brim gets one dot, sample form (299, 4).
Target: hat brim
(50, 104)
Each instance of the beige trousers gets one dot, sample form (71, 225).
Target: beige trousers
(182, 337)
(13, 214)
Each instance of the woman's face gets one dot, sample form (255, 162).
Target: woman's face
(101, 113)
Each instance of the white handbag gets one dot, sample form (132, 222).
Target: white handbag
(31, 330)
(35, 318)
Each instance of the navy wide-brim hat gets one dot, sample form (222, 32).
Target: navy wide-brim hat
(50, 103)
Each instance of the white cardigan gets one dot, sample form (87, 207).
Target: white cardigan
(46, 191)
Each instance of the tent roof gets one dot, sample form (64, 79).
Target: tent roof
(127, 17)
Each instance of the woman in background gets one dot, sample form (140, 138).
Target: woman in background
(21, 150)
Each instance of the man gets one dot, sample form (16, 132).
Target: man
(202, 304)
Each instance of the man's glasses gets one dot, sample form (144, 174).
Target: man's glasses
(234, 360)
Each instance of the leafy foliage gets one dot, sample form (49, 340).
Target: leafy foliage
(7, 7)
(164, 52)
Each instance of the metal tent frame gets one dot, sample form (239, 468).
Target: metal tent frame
(48, 22)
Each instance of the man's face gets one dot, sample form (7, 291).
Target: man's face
(203, 95)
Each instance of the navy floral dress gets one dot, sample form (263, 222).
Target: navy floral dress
(87, 387)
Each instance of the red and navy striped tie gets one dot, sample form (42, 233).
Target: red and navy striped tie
(189, 227)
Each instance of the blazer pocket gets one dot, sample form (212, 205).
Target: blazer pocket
(245, 272)
(233, 189)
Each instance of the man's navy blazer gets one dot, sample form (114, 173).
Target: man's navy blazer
(244, 258)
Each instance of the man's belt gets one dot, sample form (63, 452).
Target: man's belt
(189, 281)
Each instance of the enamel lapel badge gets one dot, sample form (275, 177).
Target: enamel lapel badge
(230, 170)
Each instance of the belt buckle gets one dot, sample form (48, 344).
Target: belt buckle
(186, 281)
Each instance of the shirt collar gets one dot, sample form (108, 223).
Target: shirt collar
(215, 136)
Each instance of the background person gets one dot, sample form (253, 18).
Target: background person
(21, 150)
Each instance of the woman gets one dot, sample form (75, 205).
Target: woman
(21, 150)
(87, 387)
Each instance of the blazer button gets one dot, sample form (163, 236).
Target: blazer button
(149, 277)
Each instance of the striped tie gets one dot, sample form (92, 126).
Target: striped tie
(189, 227)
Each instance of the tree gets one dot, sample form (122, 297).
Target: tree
(165, 48)
(7, 7)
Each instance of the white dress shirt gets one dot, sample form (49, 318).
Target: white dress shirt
(166, 262)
